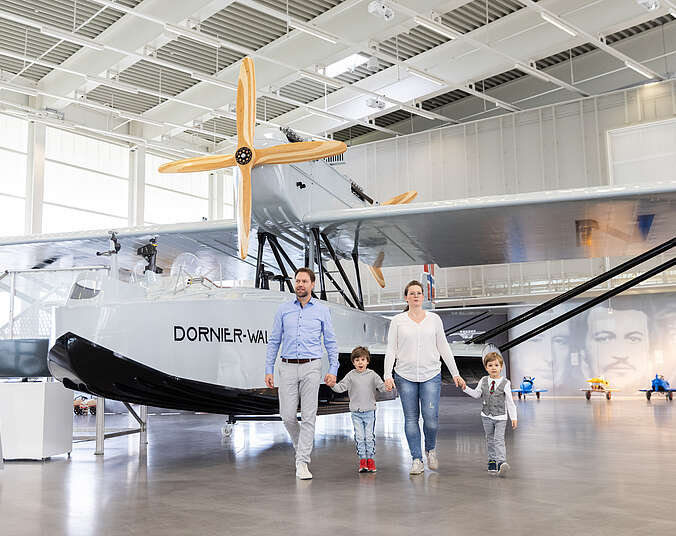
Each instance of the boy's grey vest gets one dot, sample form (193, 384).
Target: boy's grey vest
(493, 404)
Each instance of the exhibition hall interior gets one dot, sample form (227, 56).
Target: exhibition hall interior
(358, 266)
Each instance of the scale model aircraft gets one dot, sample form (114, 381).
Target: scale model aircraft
(598, 386)
(528, 387)
(189, 340)
(659, 385)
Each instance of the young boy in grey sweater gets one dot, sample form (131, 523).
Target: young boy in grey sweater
(361, 384)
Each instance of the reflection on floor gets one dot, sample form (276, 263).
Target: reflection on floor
(593, 467)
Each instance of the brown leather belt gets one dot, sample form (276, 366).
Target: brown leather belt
(296, 361)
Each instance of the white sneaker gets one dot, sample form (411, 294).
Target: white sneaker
(302, 472)
(432, 460)
(503, 468)
(417, 467)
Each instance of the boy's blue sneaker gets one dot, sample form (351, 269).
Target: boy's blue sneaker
(503, 468)
(492, 466)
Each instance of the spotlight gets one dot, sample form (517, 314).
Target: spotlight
(381, 9)
(650, 5)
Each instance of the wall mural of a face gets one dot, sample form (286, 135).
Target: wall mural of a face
(627, 341)
(545, 356)
(618, 346)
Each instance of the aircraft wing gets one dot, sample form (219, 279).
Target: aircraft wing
(562, 224)
(214, 243)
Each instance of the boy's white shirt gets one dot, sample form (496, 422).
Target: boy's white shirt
(509, 401)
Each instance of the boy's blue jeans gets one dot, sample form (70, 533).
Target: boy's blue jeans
(417, 396)
(364, 433)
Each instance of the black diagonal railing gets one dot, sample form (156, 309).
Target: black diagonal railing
(589, 304)
(549, 304)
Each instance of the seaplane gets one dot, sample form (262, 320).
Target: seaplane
(170, 324)
(598, 386)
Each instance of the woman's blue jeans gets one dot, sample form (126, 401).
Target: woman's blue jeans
(417, 396)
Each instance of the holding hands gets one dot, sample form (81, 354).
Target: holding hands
(330, 380)
(459, 382)
(389, 384)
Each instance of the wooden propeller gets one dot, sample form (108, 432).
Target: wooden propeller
(247, 157)
(401, 199)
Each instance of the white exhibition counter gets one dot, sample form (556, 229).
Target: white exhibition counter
(36, 420)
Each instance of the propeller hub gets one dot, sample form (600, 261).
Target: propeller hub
(243, 156)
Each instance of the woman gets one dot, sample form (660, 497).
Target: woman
(415, 340)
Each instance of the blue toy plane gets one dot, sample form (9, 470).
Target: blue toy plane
(659, 385)
(528, 387)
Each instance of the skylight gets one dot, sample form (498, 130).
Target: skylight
(346, 64)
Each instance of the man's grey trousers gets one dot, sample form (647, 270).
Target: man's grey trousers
(300, 382)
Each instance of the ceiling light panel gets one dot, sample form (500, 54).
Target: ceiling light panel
(426, 76)
(348, 64)
(313, 31)
(558, 23)
(441, 29)
(639, 69)
(195, 35)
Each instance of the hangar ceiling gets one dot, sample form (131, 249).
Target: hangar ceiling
(165, 70)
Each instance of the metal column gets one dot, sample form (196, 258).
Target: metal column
(12, 293)
(276, 252)
(355, 260)
(318, 259)
(100, 424)
(336, 260)
(143, 435)
(259, 260)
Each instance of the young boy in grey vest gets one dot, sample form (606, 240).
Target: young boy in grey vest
(361, 384)
(497, 403)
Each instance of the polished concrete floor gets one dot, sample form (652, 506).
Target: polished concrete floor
(579, 467)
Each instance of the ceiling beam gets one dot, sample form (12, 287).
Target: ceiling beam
(597, 41)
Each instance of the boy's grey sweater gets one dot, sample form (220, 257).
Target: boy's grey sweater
(361, 386)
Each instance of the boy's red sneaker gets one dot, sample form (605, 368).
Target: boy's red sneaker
(371, 465)
(363, 467)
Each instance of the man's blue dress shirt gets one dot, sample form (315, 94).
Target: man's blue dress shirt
(299, 330)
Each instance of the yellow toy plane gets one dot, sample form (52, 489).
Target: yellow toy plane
(598, 385)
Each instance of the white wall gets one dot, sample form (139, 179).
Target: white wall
(558, 146)
(554, 147)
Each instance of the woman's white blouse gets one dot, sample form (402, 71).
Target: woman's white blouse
(413, 349)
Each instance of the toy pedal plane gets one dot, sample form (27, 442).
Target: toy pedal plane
(659, 385)
(527, 387)
(600, 386)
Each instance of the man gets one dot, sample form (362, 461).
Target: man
(298, 328)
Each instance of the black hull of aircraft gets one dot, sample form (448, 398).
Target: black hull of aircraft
(88, 367)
